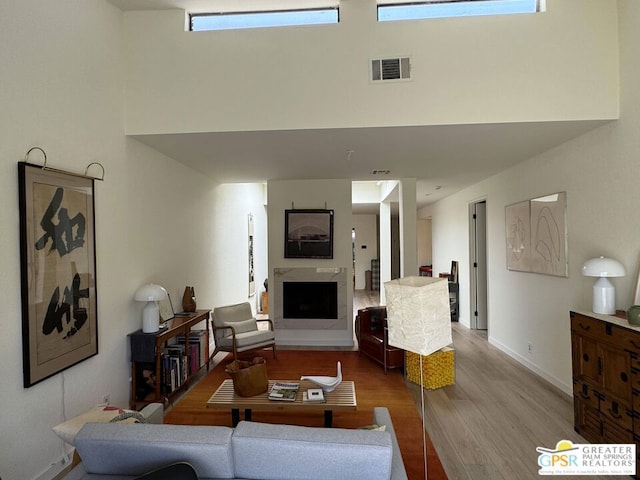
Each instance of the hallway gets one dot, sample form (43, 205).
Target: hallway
(487, 426)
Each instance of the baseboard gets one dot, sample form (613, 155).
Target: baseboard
(567, 389)
(60, 468)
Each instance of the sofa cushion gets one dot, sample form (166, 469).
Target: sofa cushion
(243, 326)
(130, 449)
(266, 451)
(248, 338)
(232, 313)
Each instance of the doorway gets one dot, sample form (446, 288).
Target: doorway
(478, 256)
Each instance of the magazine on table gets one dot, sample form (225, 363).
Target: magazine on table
(284, 391)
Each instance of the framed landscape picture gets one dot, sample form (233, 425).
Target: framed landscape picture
(57, 256)
(308, 234)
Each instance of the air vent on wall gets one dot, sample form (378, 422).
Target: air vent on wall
(385, 69)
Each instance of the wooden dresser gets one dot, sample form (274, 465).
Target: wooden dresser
(606, 378)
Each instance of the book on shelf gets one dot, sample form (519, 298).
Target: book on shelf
(313, 395)
(284, 391)
(174, 365)
(197, 350)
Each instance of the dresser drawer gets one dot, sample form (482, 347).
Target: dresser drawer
(587, 421)
(636, 429)
(587, 326)
(618, 412)
(626, 339)
(612, 433)
(635, 376)
(586, 393)
(635, 363)
(635, 398)
(621, 337)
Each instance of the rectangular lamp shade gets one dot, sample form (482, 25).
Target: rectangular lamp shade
(418, 314)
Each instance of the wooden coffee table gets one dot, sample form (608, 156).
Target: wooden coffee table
(343, 398)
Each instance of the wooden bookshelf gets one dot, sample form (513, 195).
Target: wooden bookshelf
(148, 350)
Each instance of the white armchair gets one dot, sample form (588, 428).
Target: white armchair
(235, 329)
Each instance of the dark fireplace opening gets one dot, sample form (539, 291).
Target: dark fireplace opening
(310, 300)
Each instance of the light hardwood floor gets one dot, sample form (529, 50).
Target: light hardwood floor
(488, 425)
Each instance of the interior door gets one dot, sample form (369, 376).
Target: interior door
(478, 227)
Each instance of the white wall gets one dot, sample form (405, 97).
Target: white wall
(62, 90)
(599, 171)
(366, 236)
(465, 70)
(331, 194)
(228, 237)
(423, 226)
(365, 192)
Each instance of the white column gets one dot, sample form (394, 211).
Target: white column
(385, 247)
(408, 228)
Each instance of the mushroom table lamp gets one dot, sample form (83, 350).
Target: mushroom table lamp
(151, 293)
(604, 293)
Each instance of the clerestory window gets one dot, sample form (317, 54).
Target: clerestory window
(280, 18)
(391, 10)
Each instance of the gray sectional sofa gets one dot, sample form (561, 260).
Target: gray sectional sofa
(257, 451)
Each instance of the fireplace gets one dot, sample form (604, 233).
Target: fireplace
(310, 300)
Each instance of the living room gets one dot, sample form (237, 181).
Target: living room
(81, 78)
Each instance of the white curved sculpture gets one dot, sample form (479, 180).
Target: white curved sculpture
(328, 384)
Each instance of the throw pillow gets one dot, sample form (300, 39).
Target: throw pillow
(242, 326)
(375, 427)
(68, 430)
(129, 417)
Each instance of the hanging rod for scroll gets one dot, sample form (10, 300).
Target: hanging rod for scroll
(51, 169)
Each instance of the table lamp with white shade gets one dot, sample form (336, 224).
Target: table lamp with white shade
(419, 320)
(151, 294)
(604, 293)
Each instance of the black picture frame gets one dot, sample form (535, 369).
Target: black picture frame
(308, 233)
(58, 265)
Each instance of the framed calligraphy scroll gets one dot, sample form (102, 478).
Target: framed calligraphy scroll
(57, 256)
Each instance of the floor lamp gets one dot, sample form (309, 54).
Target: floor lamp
(419, 321)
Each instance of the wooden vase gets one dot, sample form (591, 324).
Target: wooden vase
(189, 300)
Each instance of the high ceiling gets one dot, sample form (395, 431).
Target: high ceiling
(443, 158)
